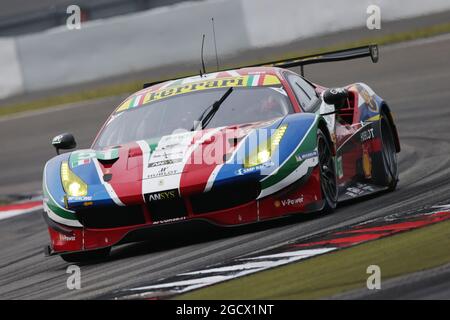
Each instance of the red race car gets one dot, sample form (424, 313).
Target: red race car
(229, 148)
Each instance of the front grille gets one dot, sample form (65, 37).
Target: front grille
(161, 210)
(225, 197)
(111, 217)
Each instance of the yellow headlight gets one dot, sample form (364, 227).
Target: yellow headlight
(264, 151)
(263, 156)
(72, 184)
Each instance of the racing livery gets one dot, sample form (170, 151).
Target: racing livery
(229, 148)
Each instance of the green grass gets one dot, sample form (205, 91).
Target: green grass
(132, 86)
(340, 271)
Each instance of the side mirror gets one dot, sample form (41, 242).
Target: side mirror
(64, 141)
(335, 96)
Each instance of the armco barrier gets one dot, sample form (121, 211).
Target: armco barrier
(164, 36)
(270, 23)
(10, 73)
(169, 38)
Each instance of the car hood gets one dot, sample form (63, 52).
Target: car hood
(184, 163)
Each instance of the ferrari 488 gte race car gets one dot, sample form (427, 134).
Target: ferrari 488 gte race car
(230, 148)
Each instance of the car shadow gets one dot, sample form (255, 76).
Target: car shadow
(192, 235)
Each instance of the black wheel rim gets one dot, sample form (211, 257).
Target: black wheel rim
(327, 172)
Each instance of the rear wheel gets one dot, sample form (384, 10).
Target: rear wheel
(386, 174)
(92, 255)
(328, 183)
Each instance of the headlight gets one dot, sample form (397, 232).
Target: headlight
(72, 184)
(265, 150)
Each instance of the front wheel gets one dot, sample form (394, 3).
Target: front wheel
(328, 182)
(386, 174)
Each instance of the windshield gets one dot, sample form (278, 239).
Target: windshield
(163, 117)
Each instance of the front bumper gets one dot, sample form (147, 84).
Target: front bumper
(302, 198)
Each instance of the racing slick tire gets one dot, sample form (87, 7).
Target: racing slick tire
(92, 255)
(328, 180)
(386, 174)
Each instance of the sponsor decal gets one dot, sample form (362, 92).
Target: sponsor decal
(359, 189)
(306, 155)
(57, 139)
(169, 220)
(84, 198)
(289, 202)
(367, 135)
(336, 91)
(367, 163)
(163, 162)
(63, 237)
(163, 172)
(160, 154)
(163, 195)
(166, 92)
(171, 148)
(79, 158)
(243, 171)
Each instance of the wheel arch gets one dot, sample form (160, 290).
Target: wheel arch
(322, 125)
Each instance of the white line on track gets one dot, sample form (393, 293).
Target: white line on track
(17, 212)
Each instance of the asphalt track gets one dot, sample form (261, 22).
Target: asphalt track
(413, 77)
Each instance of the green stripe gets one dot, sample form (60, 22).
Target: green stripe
(250, 81)
(152, 144)
(53, 206)
(132, 102)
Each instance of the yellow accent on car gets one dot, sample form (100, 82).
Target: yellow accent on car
(72, 184)
(374, 118)
(264, 151)
(214, 83)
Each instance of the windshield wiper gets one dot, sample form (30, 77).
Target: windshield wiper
(207, 115)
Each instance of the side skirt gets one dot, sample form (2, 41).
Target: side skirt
(357, 190)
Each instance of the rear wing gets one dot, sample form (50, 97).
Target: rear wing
(341, 55)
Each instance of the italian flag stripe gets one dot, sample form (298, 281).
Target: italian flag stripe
(249, 81)
(136, 101)
(261, 80)
(255, 80)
